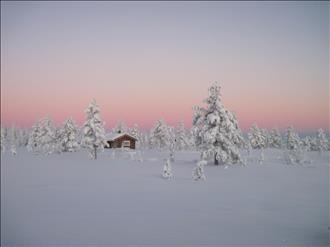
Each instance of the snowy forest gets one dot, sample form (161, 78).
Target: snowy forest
(215, 134)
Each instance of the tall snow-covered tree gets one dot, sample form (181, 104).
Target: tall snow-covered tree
(216, 130)
(275, 138)
(93, 130)
(160, 136)
(68, 136)
(322, 141)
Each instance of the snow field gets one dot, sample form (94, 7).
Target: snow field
(71, 200)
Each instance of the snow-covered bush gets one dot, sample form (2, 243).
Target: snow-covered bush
(167, 170)
(160, 136)
(68, 136)
(93, 137)
(198, 171)
(216, 130)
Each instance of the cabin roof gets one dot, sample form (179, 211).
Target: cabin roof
(114, 136)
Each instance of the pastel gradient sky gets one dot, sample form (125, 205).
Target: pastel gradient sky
(143, 61)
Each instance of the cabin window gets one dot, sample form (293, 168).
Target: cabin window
(126, 144)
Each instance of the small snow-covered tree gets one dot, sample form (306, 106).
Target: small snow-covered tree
(68, 136)
(275, 138)
(292, 139)
(322, 141)
(294, 153)
(34, 144)
(93, 137)
(13, 140)
(258, 140)
(167, 170)
(216, 130)
(135, 132)
(42, 137)
(181, 137)
(3, 139)
(47, 137)
(257, 137)
(159, 135)
(198, 171)
(306, 142)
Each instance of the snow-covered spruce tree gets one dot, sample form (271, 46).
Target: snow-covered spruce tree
(322, 141)
(258, 140)
(34, 142)
(42, 137)
(306, 142)
(292, 139)
(198, 171)
(68, 136)
(167, 170)
(47, 138)
(216, 130)
(275, 138)
(294, 153)
(93, 137)
(159, 135)
(181, 137)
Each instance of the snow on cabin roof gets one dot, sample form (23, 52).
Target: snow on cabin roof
(114, 136)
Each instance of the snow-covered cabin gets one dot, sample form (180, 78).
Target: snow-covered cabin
(121, 140)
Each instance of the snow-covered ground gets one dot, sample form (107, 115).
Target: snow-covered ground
(70, 200)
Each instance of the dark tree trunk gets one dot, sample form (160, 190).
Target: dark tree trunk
(216, 161)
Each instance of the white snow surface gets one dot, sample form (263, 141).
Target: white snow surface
(71, 200)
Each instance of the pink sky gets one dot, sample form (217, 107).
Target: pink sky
(146, 61)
